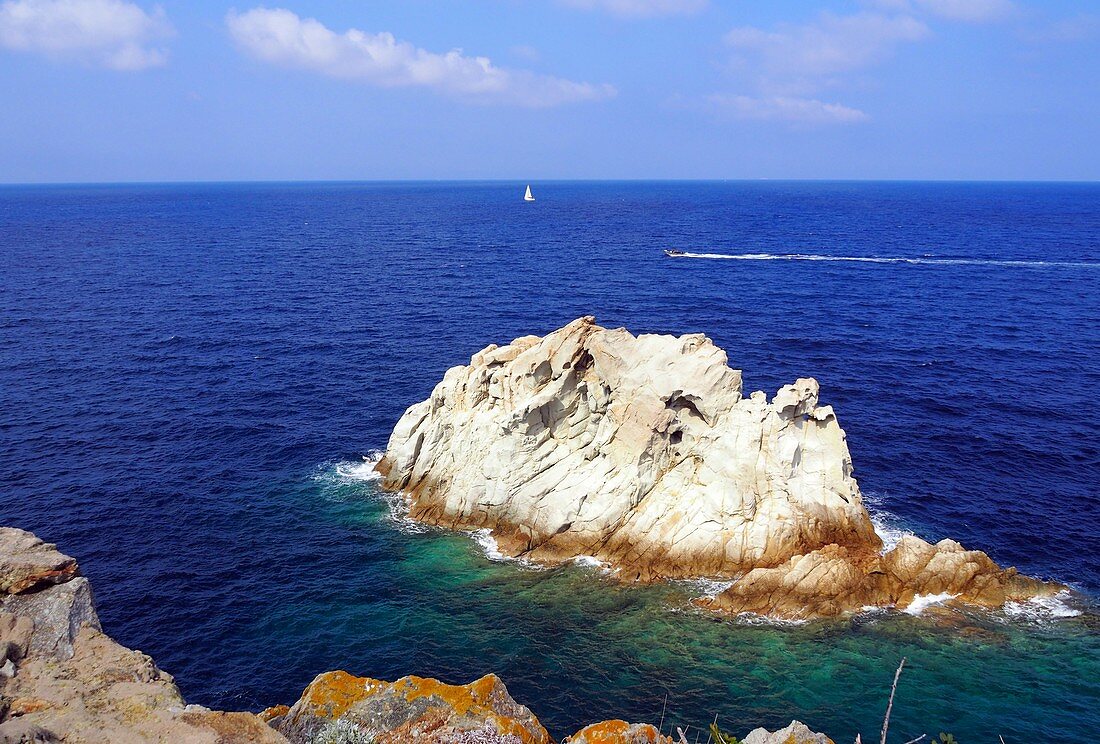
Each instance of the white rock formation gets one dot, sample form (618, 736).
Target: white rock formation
(640, 451)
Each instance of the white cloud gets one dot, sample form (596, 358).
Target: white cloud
(785, 108)
(640, 8)
(282, 38)
(111, 33)
(789, 65)
(969, 11)
(803, 57)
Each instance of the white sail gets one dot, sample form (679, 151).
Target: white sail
(528, 196)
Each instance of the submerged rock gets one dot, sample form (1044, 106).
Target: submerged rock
(412, 709)
(641, 452)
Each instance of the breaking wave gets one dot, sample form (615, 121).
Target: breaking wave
(921, 602)
(488, 544)
(361, 471)
(350, 473)
(886, 525)
(1043, 609)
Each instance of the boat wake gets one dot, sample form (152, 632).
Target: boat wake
(929, 260)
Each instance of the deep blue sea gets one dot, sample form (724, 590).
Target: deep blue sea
(190, 373)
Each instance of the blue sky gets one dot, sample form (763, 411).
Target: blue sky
(113, 90)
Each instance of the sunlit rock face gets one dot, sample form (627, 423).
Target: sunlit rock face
(411, 709)
(834, 581)
(638, 450)
(641, 451)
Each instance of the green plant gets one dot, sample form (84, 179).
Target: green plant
(340, 731)
(720, 737)
(945, 739)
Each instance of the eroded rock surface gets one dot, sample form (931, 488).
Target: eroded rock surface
(835, 580)
(642, 452)
(27, 562)
(794, 733)
(411, 709)
(639, 451)
(62, 679)
(618, 732)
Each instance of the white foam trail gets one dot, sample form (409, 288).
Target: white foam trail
(923, 601)
(886, 259)
(1043, 609)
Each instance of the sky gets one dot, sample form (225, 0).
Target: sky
(214, 90)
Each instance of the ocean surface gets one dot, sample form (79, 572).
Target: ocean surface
(191, 376)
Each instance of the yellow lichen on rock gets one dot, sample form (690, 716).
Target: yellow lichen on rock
(618, 731)
(412, 707)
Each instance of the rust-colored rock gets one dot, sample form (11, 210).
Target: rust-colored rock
(275, 711)
(618, 732)
(27, 562)
(410, 709)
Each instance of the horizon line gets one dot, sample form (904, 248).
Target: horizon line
(351, 181)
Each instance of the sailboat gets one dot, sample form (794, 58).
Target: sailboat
(528, 196)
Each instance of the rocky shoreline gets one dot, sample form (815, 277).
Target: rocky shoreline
(641, 452)
(62, 679)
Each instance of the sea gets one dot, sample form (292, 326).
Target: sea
(194, 378)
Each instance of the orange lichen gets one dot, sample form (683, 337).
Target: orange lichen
(22, 706)
(332, 693)
(474, 698)
(273, 712)
(49, 576)
(617, 731)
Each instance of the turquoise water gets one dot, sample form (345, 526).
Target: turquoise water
(577, 645)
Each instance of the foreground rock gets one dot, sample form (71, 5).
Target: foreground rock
(62, 679)
(795, 733)
(618, 732)
(642, 452)
(411, 709)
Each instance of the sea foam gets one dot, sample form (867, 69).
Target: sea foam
(1043, 609)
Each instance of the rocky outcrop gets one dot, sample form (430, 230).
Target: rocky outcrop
(618, 732)
(411, 709)
(641, 452)
(794, 733)
(28, 563)
(835, 580)
(62, 679)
